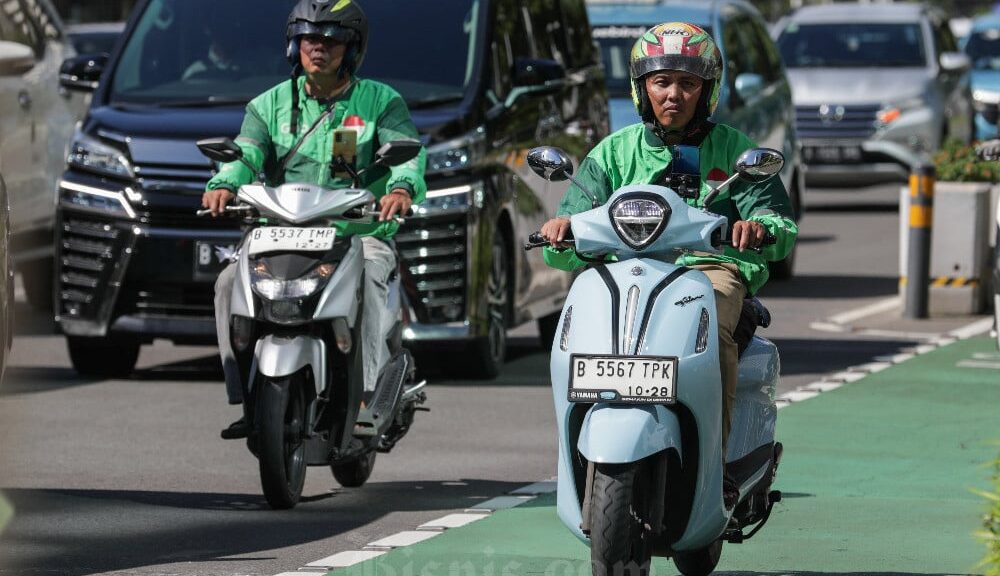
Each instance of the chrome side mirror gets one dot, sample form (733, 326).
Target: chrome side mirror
(550, 163)
(759, 164)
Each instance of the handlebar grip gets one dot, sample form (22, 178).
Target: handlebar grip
(769, 239)
(535, 240)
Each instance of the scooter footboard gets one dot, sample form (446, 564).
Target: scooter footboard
(280, 356)
(614, 434)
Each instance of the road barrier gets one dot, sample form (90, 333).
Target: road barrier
(921, 223)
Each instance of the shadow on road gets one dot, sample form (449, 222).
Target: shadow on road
(868, 573)
(802, 356)
(194, 527)
(810, 287)
(25, 380)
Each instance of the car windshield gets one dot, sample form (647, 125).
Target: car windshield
(616, 46)
(189, 52)
(852, 45)
(983, 49)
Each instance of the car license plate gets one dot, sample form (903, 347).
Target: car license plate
(284, 238)
(623, 379)
(210, 257)
(832, 154)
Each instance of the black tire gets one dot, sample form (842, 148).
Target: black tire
(486, 355)
(38, 279)
(108, 357)
(783, 269)
(547, 326)
(699, 562)
(618, 546)
(354, 474)
(280, 420)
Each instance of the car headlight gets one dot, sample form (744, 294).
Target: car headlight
(639, 221)
(457, 153)
(267, 286)
(94, 199)
(89, 154)
(892, 111)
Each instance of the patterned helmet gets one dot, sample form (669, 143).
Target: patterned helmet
(342, 20)
(676, 46)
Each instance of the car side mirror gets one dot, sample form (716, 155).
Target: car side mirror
(537, 72)
(748, 86)
(220, 149)
(82, 73)
(397, 152)
(759, 164)
(954, 61)
(15, 58)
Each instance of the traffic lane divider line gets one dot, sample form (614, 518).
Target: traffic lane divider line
(452, 521)
(345, 559)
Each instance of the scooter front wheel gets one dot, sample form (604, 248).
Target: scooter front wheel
(618, 545)
(699, 562)
(281, 415)
(355, 473)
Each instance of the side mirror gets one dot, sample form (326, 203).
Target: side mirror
(537, 72)
(397, 152)
(954, 61)
(15, 59)
(748, 86)
(220, 149)
(550, 163)
(82, 73)
(759, 164)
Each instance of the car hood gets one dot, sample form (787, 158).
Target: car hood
(815, 86)
(986, 80)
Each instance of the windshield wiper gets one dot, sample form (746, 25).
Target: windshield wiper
(436, 100)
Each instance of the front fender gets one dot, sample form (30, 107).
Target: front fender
(280, 356)
(614, 434)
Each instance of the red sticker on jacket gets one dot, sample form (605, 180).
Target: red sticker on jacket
(716, 174)
(354, 122)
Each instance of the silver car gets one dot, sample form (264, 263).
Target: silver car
(865, 73)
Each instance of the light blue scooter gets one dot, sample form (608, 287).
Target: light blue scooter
(637, 386)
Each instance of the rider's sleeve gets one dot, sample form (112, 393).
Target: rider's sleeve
(768, 204)
(255, 141)
(395, 123)
(594, 177)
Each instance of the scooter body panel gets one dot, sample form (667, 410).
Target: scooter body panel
(280, 356)
(340, 296)
(651, 428)
(754, 412)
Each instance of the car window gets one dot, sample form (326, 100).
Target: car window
(768, 57)
(983, 49)
(510, 43)
(944, 40)
(737, 58)
(579, 45)
(853, 45)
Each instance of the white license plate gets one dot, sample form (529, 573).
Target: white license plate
(623, 379)
(281, 238)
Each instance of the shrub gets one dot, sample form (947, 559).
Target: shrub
(991, 525)
(957, 162)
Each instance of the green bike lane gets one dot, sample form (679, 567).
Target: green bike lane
(877, 476)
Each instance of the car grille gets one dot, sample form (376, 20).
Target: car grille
(172, 178)
(89, 258)
(433, 250)
(855, 122)
(193, 301)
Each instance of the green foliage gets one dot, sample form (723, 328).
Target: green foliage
(991, 525)
(956, 162)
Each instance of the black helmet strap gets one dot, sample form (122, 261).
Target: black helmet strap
(296, 69)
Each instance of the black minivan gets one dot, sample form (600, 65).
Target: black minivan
(485, 81)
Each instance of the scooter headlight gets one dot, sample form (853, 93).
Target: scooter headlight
(639, 220)
(271, 288)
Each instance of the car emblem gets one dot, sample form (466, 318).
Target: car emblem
(637, 271)
(688, 299)
(830, 114)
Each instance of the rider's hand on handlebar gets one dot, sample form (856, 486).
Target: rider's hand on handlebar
(555, 231)
(748, 234)
(396, 202)
(216, 200)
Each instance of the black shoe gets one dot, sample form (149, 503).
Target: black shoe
(730, 492)
(236, 430)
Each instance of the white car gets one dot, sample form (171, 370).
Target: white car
(37, 118)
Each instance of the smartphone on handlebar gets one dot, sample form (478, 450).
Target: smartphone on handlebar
(345, 152)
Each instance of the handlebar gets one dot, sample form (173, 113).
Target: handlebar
(535, 240)
(233, 209)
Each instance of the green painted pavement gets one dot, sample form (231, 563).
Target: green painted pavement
(877, 477)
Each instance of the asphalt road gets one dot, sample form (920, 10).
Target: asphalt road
(130, 476)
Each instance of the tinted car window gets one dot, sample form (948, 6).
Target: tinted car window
(768, 55)
(737, 57)
(983, 49)
(852, 45)
(184, 51)
(510, 43)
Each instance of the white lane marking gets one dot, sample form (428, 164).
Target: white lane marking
(499, 503)
(871, 309)
(345, 559)
(822, 386)
(975, 329)
(799, 395)
(536, 488)
(404, 538)
(978, 364)
(452, 521)
(896, 358)
(846, 377)
(828, 327)
(873, 367)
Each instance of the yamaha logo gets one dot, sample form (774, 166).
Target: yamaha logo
(830, 114)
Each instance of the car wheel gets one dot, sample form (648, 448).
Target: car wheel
(38, 277)
(108, 357)
(487, 354)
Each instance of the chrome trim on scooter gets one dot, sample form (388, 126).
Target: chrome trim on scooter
(631, 307)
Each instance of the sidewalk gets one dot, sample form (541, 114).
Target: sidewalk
(877, 478)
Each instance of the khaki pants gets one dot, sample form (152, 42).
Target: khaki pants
(729, 294)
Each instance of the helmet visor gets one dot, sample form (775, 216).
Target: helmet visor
(334, 31)
(696, 65)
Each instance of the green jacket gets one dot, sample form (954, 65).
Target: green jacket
(375, 110)
(634, 155)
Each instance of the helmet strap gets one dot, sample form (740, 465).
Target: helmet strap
(296, 70)
(347, 64)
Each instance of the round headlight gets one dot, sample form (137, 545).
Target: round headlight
(639, 221)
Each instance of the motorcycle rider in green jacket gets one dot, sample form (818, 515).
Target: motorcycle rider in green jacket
(675, 70)
(288, 134)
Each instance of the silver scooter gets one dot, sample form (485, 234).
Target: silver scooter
(296, 330)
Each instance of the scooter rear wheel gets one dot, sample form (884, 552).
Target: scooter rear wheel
(354, 474)
(280, 419)
(699, 562)
(618, 546)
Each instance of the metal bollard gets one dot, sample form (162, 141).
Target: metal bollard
(919, 262)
